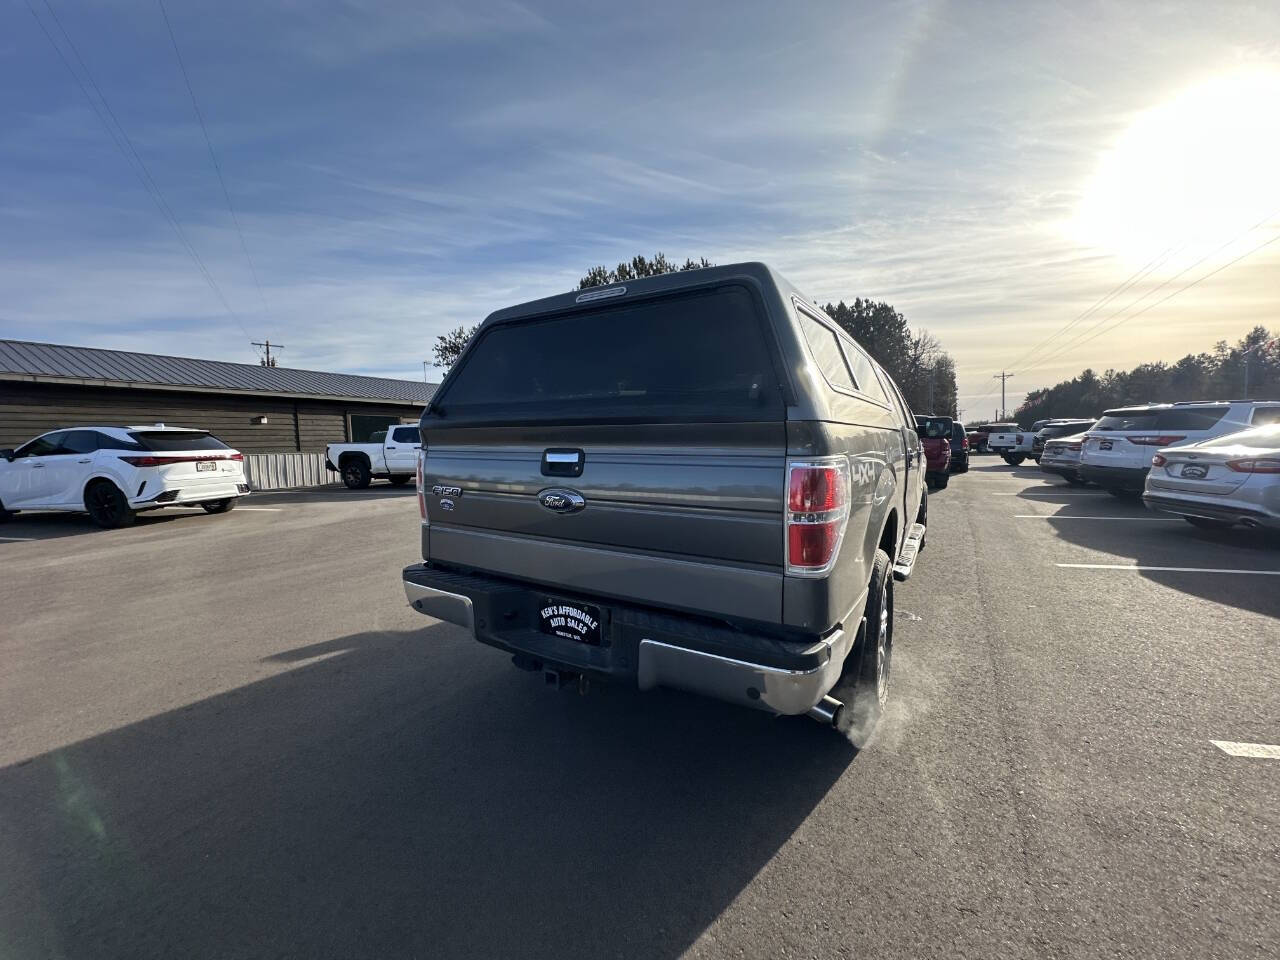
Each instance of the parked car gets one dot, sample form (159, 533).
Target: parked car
(726, 518)
(978, 439)
(959, 448)
(114, 473)
(392, 456)
(1002, 437)
(1219, 483)
(935, 435)
(1061, 457)
(1057, 428)
(1117, 451)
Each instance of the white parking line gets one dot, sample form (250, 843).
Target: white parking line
(1138, 566)
(263, 509)
(1260, 751)
(1054, 516)
(1056, 493)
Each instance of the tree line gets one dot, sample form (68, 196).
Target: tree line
(1251, 367)
(923, 371)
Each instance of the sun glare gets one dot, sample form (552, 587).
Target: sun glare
(1193, 171)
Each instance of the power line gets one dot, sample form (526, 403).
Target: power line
(1187, 286)
(122, 142)
(1140, 274)
(1088, 335)
(213, 157)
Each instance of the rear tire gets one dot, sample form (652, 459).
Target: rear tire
(400, 479)
(1207, 523)
(869, 674)
(107, 506)
(942, 481)
(356, 474)
(5, 514)
(1014, 460)
(219, 506)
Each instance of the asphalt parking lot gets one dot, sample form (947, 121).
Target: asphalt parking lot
(230, 737)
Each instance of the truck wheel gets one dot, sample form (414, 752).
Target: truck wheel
(355, 473)
(941, 482)
(1014, 459)
(219, 506)
(870, 673)
(5, 514)
(400, 479)
(107, 506)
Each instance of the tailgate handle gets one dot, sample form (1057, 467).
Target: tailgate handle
(562, 463)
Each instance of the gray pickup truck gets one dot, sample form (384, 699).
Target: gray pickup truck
(695, 481)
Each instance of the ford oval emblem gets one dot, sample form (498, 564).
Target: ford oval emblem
(560, 500)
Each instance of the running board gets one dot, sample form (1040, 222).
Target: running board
(910, 550)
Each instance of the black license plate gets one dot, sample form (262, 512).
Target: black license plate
(1194, 471)
(573, 621)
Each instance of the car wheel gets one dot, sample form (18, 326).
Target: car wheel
(5, 514)
(399, 480)
(942, 481)
(107, 506)
(871, 672)
(1207, 523)
(219, 506)
(1016, 460)
(355, 474)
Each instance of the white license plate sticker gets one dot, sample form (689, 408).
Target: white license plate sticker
(206, 465)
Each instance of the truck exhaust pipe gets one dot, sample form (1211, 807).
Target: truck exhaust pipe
(827, 711)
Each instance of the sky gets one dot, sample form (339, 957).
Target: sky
(993, 170)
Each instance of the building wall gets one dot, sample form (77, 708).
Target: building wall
(30, 409)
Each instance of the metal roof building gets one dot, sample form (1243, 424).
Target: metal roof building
(281, 417)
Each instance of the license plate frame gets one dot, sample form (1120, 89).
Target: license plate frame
(1194, 471)
(206, 466)
(571, 620)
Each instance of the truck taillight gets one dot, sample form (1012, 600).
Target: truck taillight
(1152, 440)
(817, 511)
(422, 494)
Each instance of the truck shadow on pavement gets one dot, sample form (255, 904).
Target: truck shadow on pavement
(403, 794)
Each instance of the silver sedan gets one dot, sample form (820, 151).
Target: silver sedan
(1061, 456)
(1234, 479)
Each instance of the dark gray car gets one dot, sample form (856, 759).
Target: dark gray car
(695, 481)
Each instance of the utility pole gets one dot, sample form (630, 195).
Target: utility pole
(1002, 377)
(268, 360)
(424, 371)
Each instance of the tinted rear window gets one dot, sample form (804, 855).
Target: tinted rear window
(406, 435)
(1192, 418)
(934, 427)
(699, 354)
(1064, 430)
(156, 440)
(1122, 420)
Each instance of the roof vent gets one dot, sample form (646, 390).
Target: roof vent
(604, 294)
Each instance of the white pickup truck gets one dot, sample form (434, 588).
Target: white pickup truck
(1013, 443)
(394, 458)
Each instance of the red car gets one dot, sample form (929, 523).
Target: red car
(935, 437)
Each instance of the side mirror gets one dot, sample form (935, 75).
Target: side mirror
(7, 453)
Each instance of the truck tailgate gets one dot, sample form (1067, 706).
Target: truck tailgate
(677, 515)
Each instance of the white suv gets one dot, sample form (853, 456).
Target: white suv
(113, 472)
(1117, 450)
